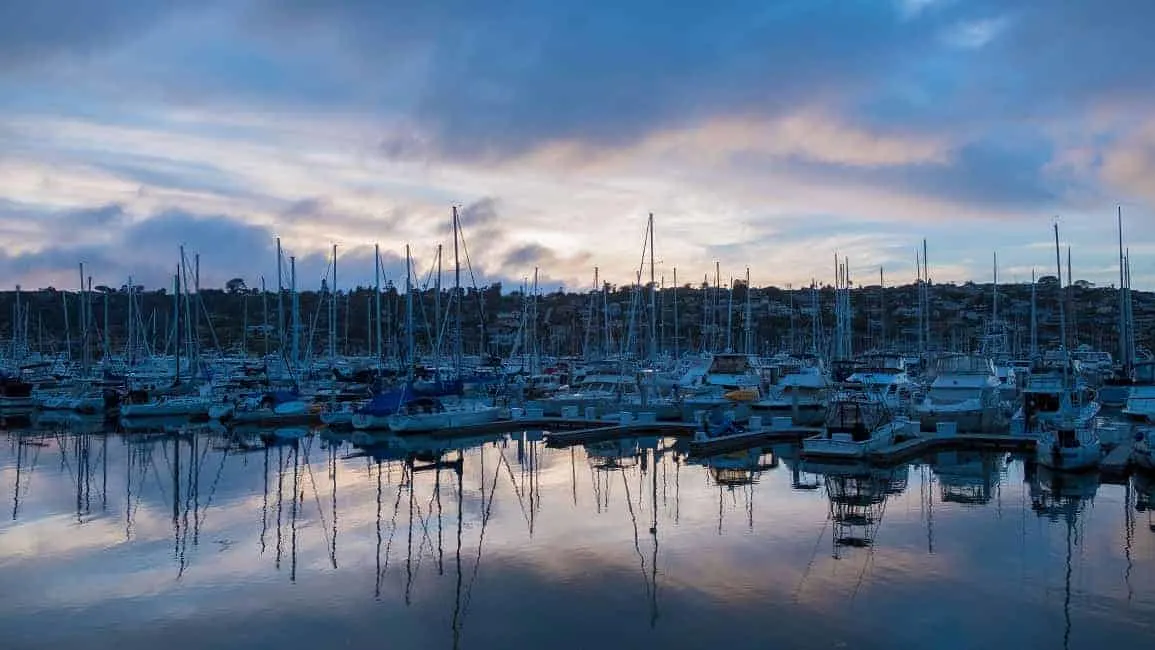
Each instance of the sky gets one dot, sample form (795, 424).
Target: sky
(774, 135)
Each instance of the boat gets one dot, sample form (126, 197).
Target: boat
(856, 425)
(605, 384)
(884, 377)
(799, 393)
(966, 392)
(1139, 402)
(727, 379)
(273, 407)
(1143, 449)
(375, 413)
(15, 393)
(432, 414)
(1070, 441)
(1043, 398)
(191, 406)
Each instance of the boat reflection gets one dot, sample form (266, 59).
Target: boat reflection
(968, 477)
(1144, 485)
(857, 495)
(1063, 497)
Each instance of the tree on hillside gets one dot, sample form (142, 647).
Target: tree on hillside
(235, 286)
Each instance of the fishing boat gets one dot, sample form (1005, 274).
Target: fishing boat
(727, 380)
(885, 378)
(856, 425)
(799, 393)
(966, 392)
(1068, 437)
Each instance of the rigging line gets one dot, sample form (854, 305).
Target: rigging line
(265, 502)
(516, 489)
(440, 524)
(870, 551)
(393, 521)
(320, 509)
(813, 555)
(204, 513)
(481, 539)
(637, 540)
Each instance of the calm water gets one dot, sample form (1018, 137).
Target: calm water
(139, 541)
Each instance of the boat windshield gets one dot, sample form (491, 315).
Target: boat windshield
(729, 364)
(855, 417)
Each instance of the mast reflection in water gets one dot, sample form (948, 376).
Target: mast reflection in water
(210, 538)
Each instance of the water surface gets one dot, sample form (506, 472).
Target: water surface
(211, 540)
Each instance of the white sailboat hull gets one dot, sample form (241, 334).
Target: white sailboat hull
(191, 407)
(450, 419)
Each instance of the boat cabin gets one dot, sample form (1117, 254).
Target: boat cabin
(855, 417)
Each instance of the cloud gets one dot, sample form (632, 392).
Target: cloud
(557, 127)
(33, 31)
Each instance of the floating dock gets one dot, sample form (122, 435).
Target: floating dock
(919, 446)
(749, 440)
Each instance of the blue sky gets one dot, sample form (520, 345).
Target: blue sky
(762, 134)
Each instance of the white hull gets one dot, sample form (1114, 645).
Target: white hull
(366, 422)
(842, 445)
(337, 418)
(166, 408)
(449, 419)
(967, 418)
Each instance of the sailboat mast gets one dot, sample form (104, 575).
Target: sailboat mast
(333, 310)
(408, 315)
(676, 328)
(746, 320)
(1059, 277)
(280, 300)
(926, 294)
(1034, 317)
(295, 315)
(730, 315)
(377, 299)
(918, 287)
(457, 334)
(653, 295)
(176, 321)
(437, 324)
(265, 309)
(533, 328)
(1125, 354)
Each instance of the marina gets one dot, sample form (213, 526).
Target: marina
(424, 484)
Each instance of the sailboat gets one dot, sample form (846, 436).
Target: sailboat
(178, 400)
(1070, 439)
(430, 413)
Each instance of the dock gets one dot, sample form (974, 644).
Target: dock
(608, 431)
(749, 439)
(915, 447)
